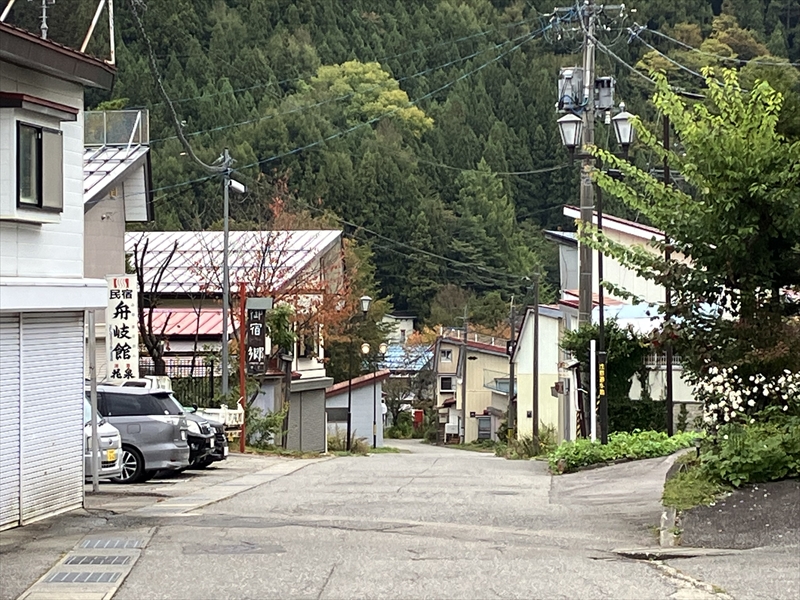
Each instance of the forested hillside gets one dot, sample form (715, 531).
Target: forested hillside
(425, 128)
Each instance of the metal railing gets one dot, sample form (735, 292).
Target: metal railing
(116, 127)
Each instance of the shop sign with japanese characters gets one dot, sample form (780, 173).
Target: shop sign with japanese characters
(256, 334)
(122, 338)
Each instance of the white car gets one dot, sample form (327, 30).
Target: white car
(110, 446)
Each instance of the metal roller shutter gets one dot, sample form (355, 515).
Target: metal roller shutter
(52, 413)
(9, 420)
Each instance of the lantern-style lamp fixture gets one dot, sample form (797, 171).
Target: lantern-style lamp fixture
(571, 128)
(383, 348)
(365, 348)
(623, 129)
(365, 302)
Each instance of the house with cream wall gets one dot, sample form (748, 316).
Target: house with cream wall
(485, 366)
(43, 291)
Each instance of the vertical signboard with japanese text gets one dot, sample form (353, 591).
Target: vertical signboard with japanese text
(122, 338)
(256, 338)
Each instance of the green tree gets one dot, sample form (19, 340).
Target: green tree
(734, 226)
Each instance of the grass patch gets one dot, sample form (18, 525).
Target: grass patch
(275, 451)
(486, 446)
(388, 450)
(571, 456)
(692, 486)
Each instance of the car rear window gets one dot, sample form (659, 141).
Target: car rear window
(126, 405)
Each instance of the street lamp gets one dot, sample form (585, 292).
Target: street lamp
(365, 302)
(571, 128)
(623, 128)
(382, 348)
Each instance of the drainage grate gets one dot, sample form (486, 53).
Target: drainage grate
(98, 560)
(112, 543)
(83, 577)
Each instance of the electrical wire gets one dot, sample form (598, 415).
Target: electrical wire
(501, 173)
(717, 56)
(342, 97)
(309, 76)
(221, 168)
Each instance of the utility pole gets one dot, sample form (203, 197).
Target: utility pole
(464, 380)
(668, 348)
(226, 284)
(602, 399)
(511, 419)
(587, 164)
(535, 411)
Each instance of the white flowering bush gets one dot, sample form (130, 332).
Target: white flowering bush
(730, 396)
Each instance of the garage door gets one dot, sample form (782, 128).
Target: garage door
(9, 420)
(52, 413)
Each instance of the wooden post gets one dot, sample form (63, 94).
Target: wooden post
(242, 359)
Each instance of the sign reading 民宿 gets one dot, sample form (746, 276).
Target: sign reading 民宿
(122, 334)
(256, 339)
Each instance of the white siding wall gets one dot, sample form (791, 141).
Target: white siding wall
(53, 249)
(624, 277)
(361, 409)
(549, 355)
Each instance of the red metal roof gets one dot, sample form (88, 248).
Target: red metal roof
(358, 382)
(187, 322)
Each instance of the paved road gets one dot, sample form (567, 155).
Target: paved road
(428, 523)
(433, 523)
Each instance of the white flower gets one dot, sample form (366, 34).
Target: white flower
(785, 408)
(725, 437)
(751, 402)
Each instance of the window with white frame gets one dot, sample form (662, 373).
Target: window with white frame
(446, 384)
(446, 356)
(40, 168)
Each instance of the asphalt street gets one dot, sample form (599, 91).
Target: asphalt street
(426, 523)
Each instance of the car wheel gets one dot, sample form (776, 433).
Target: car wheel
(132, 466)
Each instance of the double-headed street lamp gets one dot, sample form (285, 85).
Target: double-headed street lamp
(570, 127)
(365, 302)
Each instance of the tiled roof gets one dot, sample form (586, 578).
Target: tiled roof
(104, 166)
(197, 263)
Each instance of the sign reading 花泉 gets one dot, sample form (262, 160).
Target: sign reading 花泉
(122, 334)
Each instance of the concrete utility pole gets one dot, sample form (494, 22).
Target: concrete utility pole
(668, 349)
(587, 164)
(535, 408)
(226, 284)
(511, 418)
(464, 380)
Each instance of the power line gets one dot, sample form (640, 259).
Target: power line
(501, 173)
(342, 97)
(740, 61)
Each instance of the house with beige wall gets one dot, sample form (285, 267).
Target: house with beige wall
(475, 369)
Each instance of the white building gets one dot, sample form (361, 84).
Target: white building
(43, 292)
(366, 408)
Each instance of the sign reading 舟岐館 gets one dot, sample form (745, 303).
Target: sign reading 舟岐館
(122, 337)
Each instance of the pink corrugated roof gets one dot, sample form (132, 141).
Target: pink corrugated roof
(280, 256)
(185, 322)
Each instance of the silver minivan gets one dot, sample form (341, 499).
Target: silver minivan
(153, 429)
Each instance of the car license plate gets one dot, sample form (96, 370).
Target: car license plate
(111, 455)
(225, 451)
(211, 442)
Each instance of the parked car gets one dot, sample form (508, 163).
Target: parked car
(202, 438)
(153, 427)
(109, 449)
(219, 450)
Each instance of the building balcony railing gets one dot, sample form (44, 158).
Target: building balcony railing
(116, 127)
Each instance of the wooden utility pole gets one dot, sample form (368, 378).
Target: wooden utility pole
(668, 299)
(242, 360)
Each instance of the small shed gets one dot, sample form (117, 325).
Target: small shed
(365, 394)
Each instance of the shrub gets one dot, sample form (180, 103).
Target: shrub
(570, 456)
(264, 429)
(756, 452)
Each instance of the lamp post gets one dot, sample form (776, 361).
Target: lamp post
(365, 302)
(382, 348)
(570, 127)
